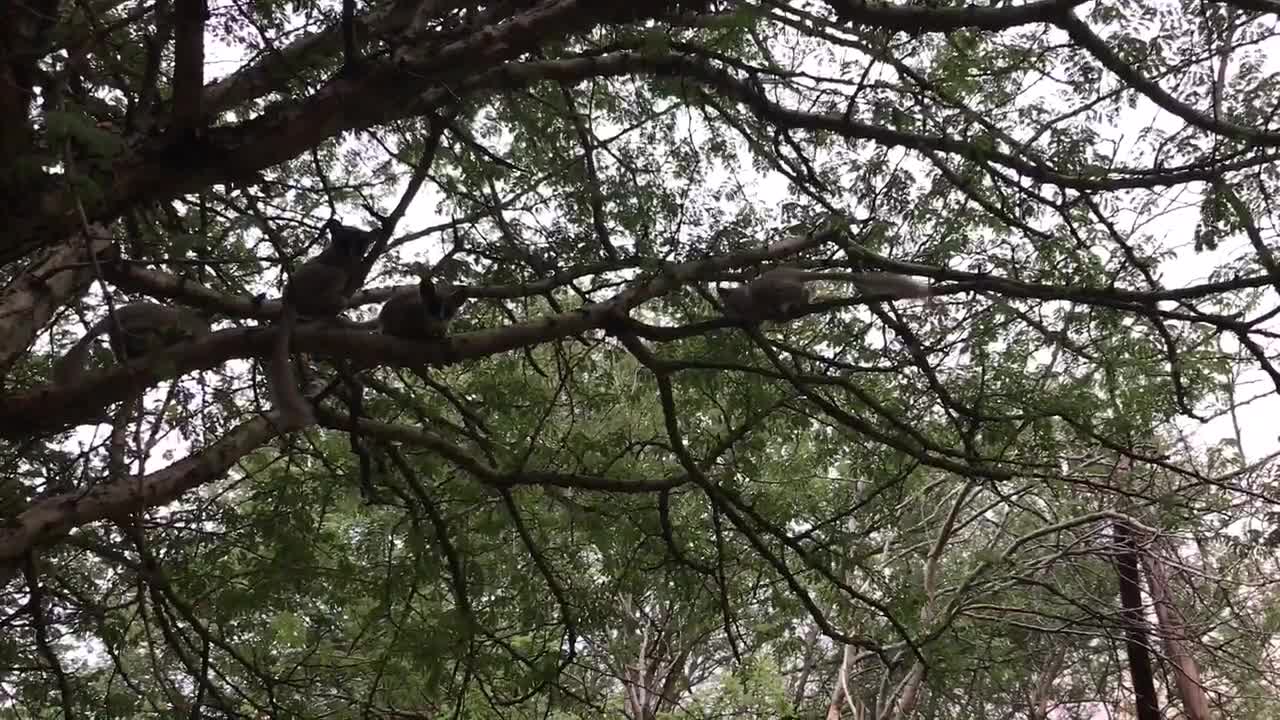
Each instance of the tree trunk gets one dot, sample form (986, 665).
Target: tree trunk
(1136, 643)
(1172, 625)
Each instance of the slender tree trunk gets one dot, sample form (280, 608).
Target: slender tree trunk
(1044, 686)
(1136, 643)
(1172, 624)
(837, 696)
(810, 646)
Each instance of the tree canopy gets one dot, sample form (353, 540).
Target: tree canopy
(1045, 491)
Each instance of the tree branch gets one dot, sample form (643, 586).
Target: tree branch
(1086, 38)
(31, 300)
(924, 18)
(57, 407)
(188, 63)
(52, 518)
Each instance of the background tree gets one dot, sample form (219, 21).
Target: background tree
(600, 497)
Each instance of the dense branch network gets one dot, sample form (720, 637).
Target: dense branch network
(578, 153)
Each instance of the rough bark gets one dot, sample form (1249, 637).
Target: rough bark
(30, 301)
(50, 519)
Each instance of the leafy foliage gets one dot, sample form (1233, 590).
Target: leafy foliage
(600, 498)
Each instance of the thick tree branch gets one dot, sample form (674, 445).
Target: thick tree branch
(137, 278)
(50, 519)
(188, 63)
(390, 91)
(274, 67)
(923, 18)
(161, 169)
(55, 408)
(31, 300)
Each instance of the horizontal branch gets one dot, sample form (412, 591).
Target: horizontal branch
(55, 408)
(495, 477)
(138, 278)
(924, 18)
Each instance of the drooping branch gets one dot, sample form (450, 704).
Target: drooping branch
(1086, 38)
(1265, 257)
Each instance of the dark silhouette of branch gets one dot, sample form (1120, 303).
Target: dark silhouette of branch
(1086, 38)
(188, 63)
(1137, 644)
(922, 18)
